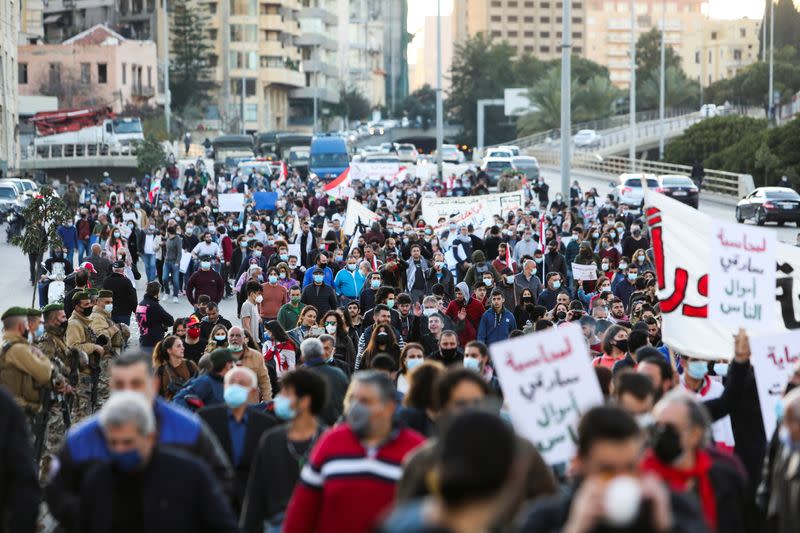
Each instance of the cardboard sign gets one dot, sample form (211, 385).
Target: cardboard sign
(741, 276)
(774, 359)
(584, 272)
(265, 201)
(357, 212)
(374, 171)
(548, 382)
(476, 210)
(231, 203)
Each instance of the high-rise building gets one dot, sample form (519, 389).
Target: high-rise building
(721, 48)
(529, 26)
(9, 31)
(395, 51)
(425, 65)
(31, 21)
(608, 30)
(361, 52)
(65, 18)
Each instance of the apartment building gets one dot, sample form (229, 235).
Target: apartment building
(529, 26)
(65, 18)
(721, 48)
(31, 27)
(424, 71)
(395, 51)
(361, 52)
(9, 31)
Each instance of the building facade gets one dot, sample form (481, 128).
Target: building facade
(424, 71)
(95, 67)
(65, 18)
(9, 136)
(530, 26)
(395, 51)
(31, 21)
(361, 51)
(721, 48)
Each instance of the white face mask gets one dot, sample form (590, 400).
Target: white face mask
(259, 299)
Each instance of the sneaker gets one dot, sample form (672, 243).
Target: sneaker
(174, 299)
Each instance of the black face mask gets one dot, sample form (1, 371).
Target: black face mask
(561, 315)
(622, 345)
(667, 443)
(448, 353)
(382, 337)
(62, 326)
(526, 299)
(86, 311)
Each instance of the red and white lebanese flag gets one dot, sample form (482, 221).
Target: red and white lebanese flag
(541, 231)
(509, 257)
(284, 172)
(155, 188)
(337, 186)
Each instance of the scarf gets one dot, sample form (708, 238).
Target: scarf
(679, 481)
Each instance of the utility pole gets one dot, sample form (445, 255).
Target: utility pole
(167, 93)
(566, 98)
(316, 97)
(242, 128)
(764, 35)
(632, 92)
(227, 106)
(439, 104)
(661, 89)
(771, 100)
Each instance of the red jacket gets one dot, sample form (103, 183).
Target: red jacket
(475, 311)
(227, 248)
(205, 282)
(345, 488)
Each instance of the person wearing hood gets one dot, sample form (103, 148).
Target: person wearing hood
(479, 266)
(465, 312)
(554, 259)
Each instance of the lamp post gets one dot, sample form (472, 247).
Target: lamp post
(167, 93)
(632, 93)
(662, 83)
(439, 103)
(566, 99)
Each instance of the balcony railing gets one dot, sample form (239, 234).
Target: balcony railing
(77, 151)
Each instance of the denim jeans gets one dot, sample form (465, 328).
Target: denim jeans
(70, 255)
(84, 250)
(149, 266)
(175, 270)
(121, 319)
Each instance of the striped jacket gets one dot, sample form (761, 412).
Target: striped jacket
(340, 472)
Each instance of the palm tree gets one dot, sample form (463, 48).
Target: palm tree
(679, 90)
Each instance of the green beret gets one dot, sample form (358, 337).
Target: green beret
(92, 292)
(15, 311)
(105, 293)
(52, 307)
(32, 311)
(81, 295)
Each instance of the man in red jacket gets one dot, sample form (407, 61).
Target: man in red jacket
(466, 313)
(226, 244)
(205, 281)
(352, 473)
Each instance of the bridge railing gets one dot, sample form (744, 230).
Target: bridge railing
(729, 185)
(77, 151)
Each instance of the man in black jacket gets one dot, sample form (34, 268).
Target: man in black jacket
(239, 427)
(19, 485)
(313, 355)
(101, 265)
(124, 294)
(145, 487)
(319, 294)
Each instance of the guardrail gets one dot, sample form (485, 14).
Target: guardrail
(77, 151)
(728, 185)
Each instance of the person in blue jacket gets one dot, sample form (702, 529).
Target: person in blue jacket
(349, 281)
(69, 238)
(322, 263)
(497, 322)
(208, 388)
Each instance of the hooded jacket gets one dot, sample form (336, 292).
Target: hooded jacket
(468, 329)
(479, 266)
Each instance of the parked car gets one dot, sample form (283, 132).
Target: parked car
(387, 148)
(407, 152)
(377, 128)
(587, 139)
(628, 188)
(495, 167)
(679, 187)
(528, 165)
(8, 197)
(709, 111)
(768, 204)
(451, 154)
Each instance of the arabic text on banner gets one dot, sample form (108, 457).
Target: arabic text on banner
(375, 171)
(548, 382)
(774, 359)
(741, 276)
(476, 210)
(584, 272)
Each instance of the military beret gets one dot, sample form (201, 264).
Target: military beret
(15, 311)
(92, 292)
(32, 311)
(52, 307)
(105, 293)
(81, 295)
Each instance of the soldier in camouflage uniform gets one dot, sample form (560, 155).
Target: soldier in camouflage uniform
(101, 323)
(79, 331)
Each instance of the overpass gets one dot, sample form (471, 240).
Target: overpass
(424, 139)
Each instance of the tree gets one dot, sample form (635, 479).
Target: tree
(529, 69)
(787, 25)
(150, 155)
(480, 69)
(190, 66)
(42, 216)
(679, 91)
(352, 104)
(648, 53)
(709, 137)
(421, 104)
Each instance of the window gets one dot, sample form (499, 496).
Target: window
(544, 49)
(577, 49)
(243, 7)
(249, 86)
(496, 33)
(742, 32)
(528, 49)
(22, 73)
(86, 73)
(244, 33)
(577, 35)
(213, 59)
(512, 18)
(545, 20)
(149, 76)
(497, 3)
(250, 112)
(512, 34)
(212, 8)
(212, 34)
(529, 34)
(697, 57)
(124, 74)
(496, 18)
(709, 56)
(528, 20)
(713, 36)
(528, 4)
(102, 73)
(558, 20)
(544, 34)
(577, 20)
(55, 73)
(512, 3)
(545, 5)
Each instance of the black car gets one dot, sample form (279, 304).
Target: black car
(765, 204)
(679, 187)
(495, 169)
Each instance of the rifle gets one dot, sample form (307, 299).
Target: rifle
(74, 356)
(40, 419)
(94, 367)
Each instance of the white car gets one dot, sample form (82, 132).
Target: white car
(377, 128)
(511, 148)
(587, 139)
(451, 154)
(381, 158)
(628, 188)
(407, 152)
(498, 153)
(709, 111)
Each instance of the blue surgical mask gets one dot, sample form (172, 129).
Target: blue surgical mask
(235, 395)
(205, 265)
(273, 279)
(283, 408)
(428, 311)
(284, 257)
(282, 275)
(318, 278)
(351, 266)
(126, 461)
(632, 276)
(256, 253)
(472, 363)
(411, 364)
(375, 283)
(107, 307)
(556, 284)
(40, 331)
(721, 369)
(697, 369)
(390, 304)
(243, 245)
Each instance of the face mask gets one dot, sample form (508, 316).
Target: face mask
(556, 284)
(448, 353)
(472, 363)
(339, 258)
(235, 395)
(510, 280)
(721, 369)
(640, 259)
(440, 264)
(411, 364)
(612, 233)
(259, 299)
(126, 461)
(382, 337)
(108, 307)
(351, 267)
(561, 315)
(236, 347)
(604, 266)
(390, 304)
(193, 333)
(596, 235)
(358, 419)
(274, 279)
(487, 282)
(284, 257)
(526, 238)
(667, 444)
(283, 408)
(243, 245)
(220, 338)
(330, 328)
(256, 253)
(622, 345)
(623, 266)
(87, 311)
(375, 283)
(428, 311)
(39, 331)
(295, 300)
(632, 276)
(697, 369)
(116, 234)
(318, 278)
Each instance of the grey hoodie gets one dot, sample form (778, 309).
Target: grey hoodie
(462, 286)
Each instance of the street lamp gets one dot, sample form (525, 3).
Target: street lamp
(662, 83)
(566, 99)
(167, 93)
(439, 103)
(771, 95)
(632, 93)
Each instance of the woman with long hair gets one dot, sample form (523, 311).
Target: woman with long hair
(217, 339)
(615, 347)
(524, 310)
(280, 349)
(410, 358)
(382, 340)
(419, 403)
(117, 250)
(306, 321)
(333, 324)
(173, 371)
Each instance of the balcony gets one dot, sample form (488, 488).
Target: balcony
(282, 76)
(316, 39)
(315, 65)
(320, 13)
(322, 93)
(270, 22)
(139, 91)
(271, 48)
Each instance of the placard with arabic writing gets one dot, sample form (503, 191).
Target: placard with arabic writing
(774, 358)
(741, 276)
(548, 382)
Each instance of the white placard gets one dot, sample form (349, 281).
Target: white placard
(294, 249)
(476, 210)
(548, 382)
(231, 203)
(186, 257)
(374, 171)
(741, 276)
(584, 272)
(356, 212)
(774, 358)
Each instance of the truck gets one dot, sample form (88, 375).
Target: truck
(89, 128)
(230, 150)
(329, 157)
(287, 140)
